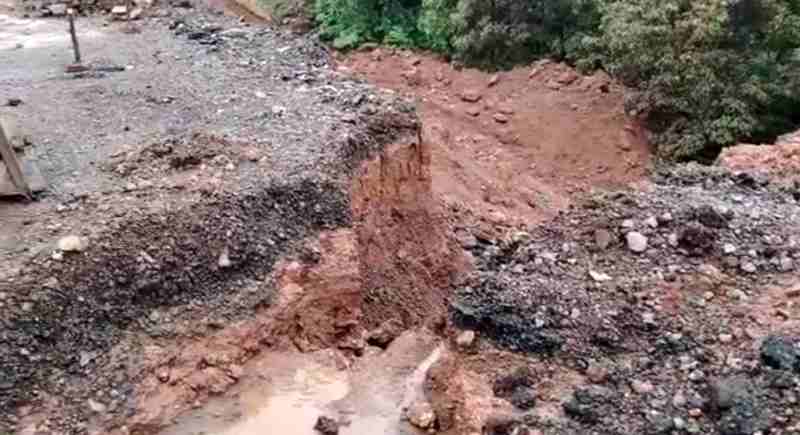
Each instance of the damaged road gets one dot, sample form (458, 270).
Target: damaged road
(177, 185)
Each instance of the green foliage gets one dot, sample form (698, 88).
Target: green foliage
(436, 24)
(706, 73)
(349, 23)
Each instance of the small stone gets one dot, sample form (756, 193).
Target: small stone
(326, 426)
(739, 294)
(523, 398)
(642, 387)
(665, 218)
(14, 102)
(234, 33)
(679, 423)
(224, 259)
(786, 264)
(163, 375)
(421, 415)
(597, 374)
(725, 338)
(384, 334)
(602, 238)
(651, 222)
(628, 223)
(697, 376)
(679, 400)
(505, 109)
(500, 118)
(672, 239)
(85, 358)
(465, 340)
(58, 9)
(495, 79)
(72, 244)
(695, 412)
(636, 242)
(119, 11)
(599, 276)
(473, 111)
(728, 248)
(96, 406)
(471, 96)
(136, 13)
(749, 267)
(260, 94)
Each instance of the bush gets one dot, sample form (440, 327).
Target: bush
(705, 73)
(436, 25)
(349, 23)
(502, 33)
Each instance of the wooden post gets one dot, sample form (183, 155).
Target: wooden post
(12, 164)
(75, 47)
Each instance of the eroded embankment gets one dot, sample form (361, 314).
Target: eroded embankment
(170, 300)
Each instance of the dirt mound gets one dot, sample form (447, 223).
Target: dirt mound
(513, 147)
(780, 161)
(635, 319)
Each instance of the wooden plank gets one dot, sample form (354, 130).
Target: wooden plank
(12, 165)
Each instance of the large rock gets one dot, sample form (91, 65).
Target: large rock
(780, 353)
(327, 426)
(72, 243)
(386, 333)
(517, 388)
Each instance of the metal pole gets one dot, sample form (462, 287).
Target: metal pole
(75, 47)
(12, 164)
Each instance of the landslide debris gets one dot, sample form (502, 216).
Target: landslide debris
(692, 326)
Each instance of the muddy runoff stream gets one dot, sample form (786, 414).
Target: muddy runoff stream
(285, 393)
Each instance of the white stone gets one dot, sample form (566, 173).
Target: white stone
(224, 260)
(58, 9)
(636, 241)
(466, 339)
(599, 276)
(421, 415)
(72, 244)
(96, 406)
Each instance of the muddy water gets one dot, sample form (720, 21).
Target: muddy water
(284, 394)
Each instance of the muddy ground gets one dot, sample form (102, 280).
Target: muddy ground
(242, 230)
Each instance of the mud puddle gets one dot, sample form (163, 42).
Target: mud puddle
(285, 393)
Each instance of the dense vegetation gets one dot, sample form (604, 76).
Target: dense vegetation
(703, 73)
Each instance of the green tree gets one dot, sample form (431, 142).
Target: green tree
(705, 73)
